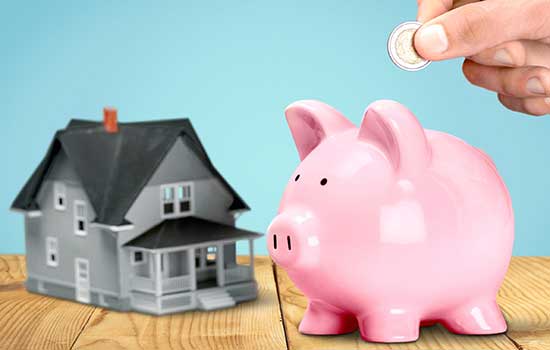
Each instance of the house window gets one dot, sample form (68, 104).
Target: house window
(176, 199)
(139, 257)
(184, 198)
(59, 196)
(52, 255)
(168, 201)
(80, 222)
(211, 255)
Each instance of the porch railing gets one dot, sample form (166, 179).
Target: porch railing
(142, 284)
(168, 285)
(238, 273)
(176, 284)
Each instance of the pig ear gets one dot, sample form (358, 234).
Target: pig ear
(311, 122)
(392, 128)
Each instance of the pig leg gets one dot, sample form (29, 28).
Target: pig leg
(477, 317)
(325, 319)
(390, 326)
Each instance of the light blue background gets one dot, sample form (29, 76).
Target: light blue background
(232, 67)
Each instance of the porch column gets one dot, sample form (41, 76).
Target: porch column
(251, 253)
(202, 258)
(192, 268)
(158, 275)
(220, 272)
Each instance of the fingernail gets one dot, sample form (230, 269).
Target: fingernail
(534, 86)
(433, 39)
(503, 57)
(547, 100)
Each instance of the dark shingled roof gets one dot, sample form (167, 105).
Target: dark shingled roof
(115, 167)
(188, 230)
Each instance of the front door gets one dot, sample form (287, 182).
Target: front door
(82, 280)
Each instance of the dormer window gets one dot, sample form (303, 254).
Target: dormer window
(59, 196)
(184, 198)
(80, 222)
(168, 201)
(176, 199)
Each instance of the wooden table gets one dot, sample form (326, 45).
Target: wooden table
(30, 321)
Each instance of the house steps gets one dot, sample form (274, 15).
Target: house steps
(213, 299)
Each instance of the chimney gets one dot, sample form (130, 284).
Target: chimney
(110, 119)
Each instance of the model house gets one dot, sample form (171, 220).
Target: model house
(134, 216)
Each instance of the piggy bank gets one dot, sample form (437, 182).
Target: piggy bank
(389, 227)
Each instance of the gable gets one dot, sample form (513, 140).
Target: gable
(180, 164)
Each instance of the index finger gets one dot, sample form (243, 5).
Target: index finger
(470, 29)
(429, 9)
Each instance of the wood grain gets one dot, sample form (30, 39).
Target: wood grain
(293, 305)
(525, 300)
(251, 325)
(31, 321)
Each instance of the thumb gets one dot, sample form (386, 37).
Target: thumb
(474, 27)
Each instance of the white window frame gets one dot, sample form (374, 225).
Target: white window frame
(59, 191)
(52, 248)
(77, 217)
(143, 254)
(188, 192)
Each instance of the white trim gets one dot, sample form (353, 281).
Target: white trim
(59, 192)
(77, 218)
(195, 245)
(188, 192)
(52, 248)
(28, 213)
(113, 227)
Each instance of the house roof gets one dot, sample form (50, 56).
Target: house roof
(186, 231)
(114, 167)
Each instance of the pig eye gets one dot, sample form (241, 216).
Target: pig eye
(297, 177)
(324, 181)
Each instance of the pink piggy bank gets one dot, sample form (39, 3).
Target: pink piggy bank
(388, 227)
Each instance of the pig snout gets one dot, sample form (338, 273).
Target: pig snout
(289, 238)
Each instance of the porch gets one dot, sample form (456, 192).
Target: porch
(189, 263)
(161, 273)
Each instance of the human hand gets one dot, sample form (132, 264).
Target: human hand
(506, 44)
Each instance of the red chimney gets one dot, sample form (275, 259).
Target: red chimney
(110, 119)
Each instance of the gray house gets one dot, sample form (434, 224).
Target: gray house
(134, 216)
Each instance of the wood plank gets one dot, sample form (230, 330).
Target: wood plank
(31, 321)
(525, 300)
(251, 325)
(293, 304)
